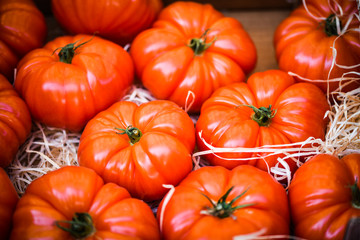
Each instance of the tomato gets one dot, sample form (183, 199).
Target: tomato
(269, 109)
(304, 43)
(116, 20)
(15, 122)
(324, 195)
(192, 47)
(8, 200)
(139, 147)
(72, 78)
(22, 28)
(217, 203)
(74, 203)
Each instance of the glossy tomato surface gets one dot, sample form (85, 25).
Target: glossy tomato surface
(156, 149)
(70, 191)
(192, 48)
(8, 200)
(67, 92)
(116, 20)
(15, 122)
(324, 195)
(309, 39)
(22, 28)
(287, 112)
(262, 208)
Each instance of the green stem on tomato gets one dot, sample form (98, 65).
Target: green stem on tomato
(262, 115)
(81, 226)
(355, 192)
(330, 26)
(199, 45)
(223, 209)
(67, 53)
(133, 133)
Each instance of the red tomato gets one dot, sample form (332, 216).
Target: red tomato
(216, 203)
(269, 109)
(139, 147)
(67, 88)
(8, 200)
(22, 28)
(74, 203)
(192, 47)
(117, 20)
(15, 122)
(304, 42)
(324, 194)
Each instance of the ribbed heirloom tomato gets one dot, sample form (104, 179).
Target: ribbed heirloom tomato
(217, 203)
(15, 122)
(74, 203)
(8, 200)
(269, 109)
(22, 28)
(72, 78)
(116, 20)
(324, 195)
(192, 47)
(139, 147)
(305, 42)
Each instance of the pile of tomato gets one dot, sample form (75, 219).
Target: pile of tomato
(189, 56)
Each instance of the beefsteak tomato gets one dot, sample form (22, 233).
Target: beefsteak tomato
(72, 78)
(139, 147)
(74, 203)
(217, 203)
(116, 20)
(269, 109)
(15, 122)
(8, 201)
(324, 195)
(192, 47)
(22, 28)
(305, 40)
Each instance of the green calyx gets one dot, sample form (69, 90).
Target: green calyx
(199, 45)
(222, 208)
(355, 192)
(67, 53)
(330, 26)
(80, 227)
(262, 115)
(133, 133)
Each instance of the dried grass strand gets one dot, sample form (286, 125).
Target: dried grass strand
(45, 150)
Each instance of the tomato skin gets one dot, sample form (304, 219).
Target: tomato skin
(8, 201)
(56, 196)
(320, 196)
(169, 68)
(15, 122)
(303, 47)
(181, 217)
(22, 29)
(161, 156)
(116, 20)
(100, 73)
(225, 121)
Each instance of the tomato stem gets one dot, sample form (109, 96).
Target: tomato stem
(81, 226)
(133, 133)
(67, 53)
(330, 26)
(262, 115)
(355, 192)
(223, 209)
(199, 45)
